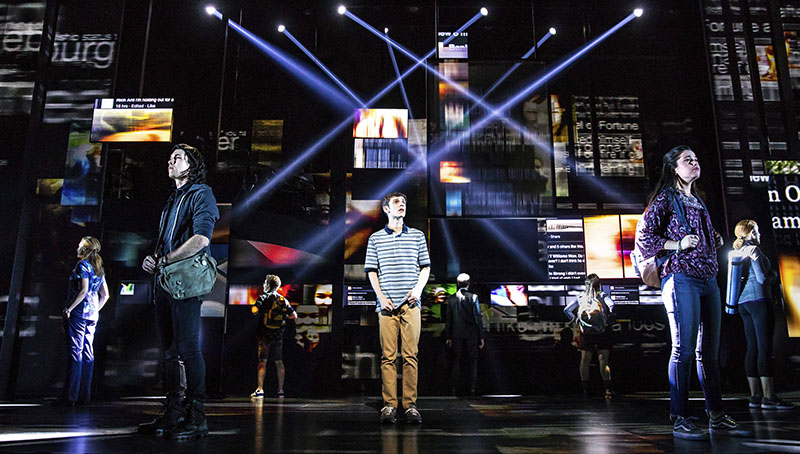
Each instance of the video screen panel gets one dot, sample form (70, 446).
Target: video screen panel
(380, 154)
(546, 295)
(628, 223)
(455, 48)
(789, 266)
(318, 294)
(359, 295)
(622, 294)
(380, 124)
(246, 295)
(508, 295)
(603, 246)
(566, 255)
(132, 120)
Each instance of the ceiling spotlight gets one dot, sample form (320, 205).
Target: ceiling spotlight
(484, 11)
(210, 10)
(281, 28)
(552, 30)
(386, 30)
(638, 12)
(341, 9)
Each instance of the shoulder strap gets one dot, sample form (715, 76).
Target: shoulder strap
(680, 209)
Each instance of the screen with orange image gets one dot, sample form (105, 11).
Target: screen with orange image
(790, 279)
(603, 246)
(628, 223)
(381, 124)
(132, 120)
(244, 294)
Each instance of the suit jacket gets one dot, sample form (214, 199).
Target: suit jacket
(463, 317)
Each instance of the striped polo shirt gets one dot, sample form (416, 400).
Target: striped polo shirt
(397, 258)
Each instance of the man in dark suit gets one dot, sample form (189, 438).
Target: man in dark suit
(464, 331)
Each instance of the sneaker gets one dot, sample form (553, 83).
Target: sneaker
(257, 394)
(775, 404)
(388, 415)
(725, 425)
(686, 429)
(413, 416)
(281, 393)
(755, 402)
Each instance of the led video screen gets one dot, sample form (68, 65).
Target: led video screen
(603, 246)
(318, 294)
(246, 295)
(457, 47)
(359, 295)
(789, 266)
(509, 295)
(132, 120)
(381, 124)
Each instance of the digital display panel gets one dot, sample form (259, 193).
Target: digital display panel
(622, 294)
(360, 295)
(246, 295)
(508, 295)
(566, 257)
(132, 120)
(381, 124)
(380, 154)
(546, 295)
(455, 48)
(318, 294)
(789, 266)
(603, 251)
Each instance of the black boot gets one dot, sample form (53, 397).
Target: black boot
(194, 422)
(169, 418)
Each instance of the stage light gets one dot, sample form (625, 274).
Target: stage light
(400, 81)
(210, 10)
(456, 86)
(638, 12)
(341, 9)
(315, 147)
(322, 66)
(552, 30)
(435, 155)
(484, 11)
(281, 28)
(302, 72)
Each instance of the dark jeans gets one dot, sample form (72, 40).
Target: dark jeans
(694, 312)
(178, 324)
(758, 326)
(465, 348)
(80, 362)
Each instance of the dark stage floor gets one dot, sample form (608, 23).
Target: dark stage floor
(536, 424)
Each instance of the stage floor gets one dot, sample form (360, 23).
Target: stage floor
(492, 424)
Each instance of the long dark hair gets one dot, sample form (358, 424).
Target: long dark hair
(196, 173)
(667, 179)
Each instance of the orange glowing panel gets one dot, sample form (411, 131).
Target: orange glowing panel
(790, 278)
(603, 251)
(628, 223)
(452, 172)
(381, 124)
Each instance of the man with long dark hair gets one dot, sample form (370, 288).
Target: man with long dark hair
(187, 222)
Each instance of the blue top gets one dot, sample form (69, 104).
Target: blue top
(757, 270)
(88, 308)
(191, 210)
(397, 258)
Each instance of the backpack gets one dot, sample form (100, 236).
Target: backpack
(649, 269)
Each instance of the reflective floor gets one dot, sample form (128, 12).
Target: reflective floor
(495, 424)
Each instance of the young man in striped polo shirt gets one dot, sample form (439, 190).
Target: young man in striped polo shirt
(398, 266)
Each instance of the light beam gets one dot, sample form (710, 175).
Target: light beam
(322, 67)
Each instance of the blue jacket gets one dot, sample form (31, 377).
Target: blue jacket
(190, 210)
(756, 268)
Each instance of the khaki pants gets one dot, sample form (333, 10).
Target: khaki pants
(406, 322)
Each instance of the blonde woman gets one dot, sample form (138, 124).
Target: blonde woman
(754, 308)
(591, 310)
(88, 294)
